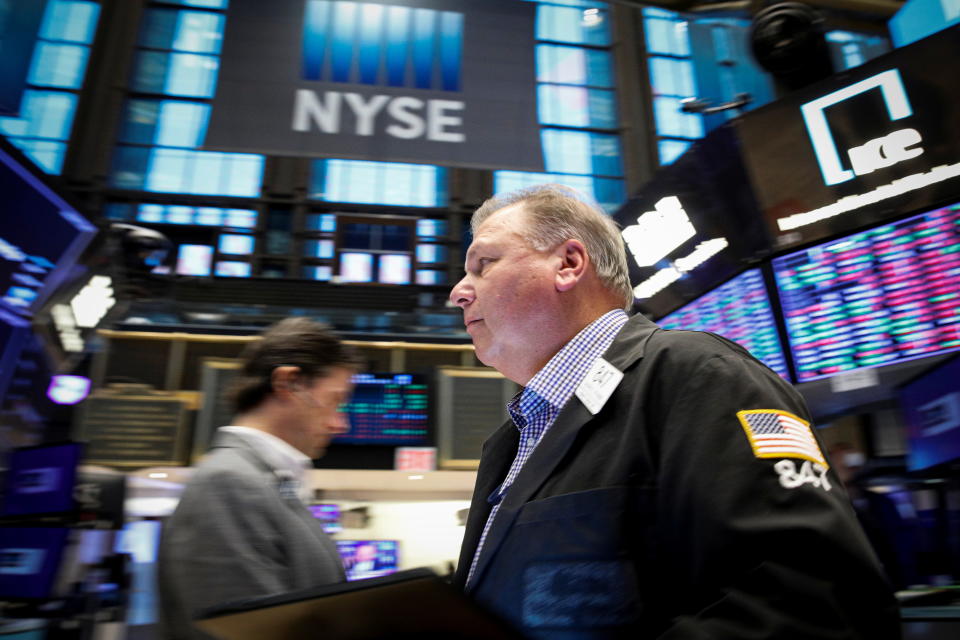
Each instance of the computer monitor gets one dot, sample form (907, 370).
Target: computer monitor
(369, 558)
(930, 404)
(738, 310)
(30, 561)
(328, 515)
(884, 295)
(41, 480)
(388, 409)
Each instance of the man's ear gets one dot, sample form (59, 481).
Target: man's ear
(573, 264)
(285, 379)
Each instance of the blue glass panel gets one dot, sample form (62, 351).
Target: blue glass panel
(670, 150)
(581, 152)
(370, 41)
(672, 77)
(569, 24)
(344, 34)
(191, 75)
(574, 65)
(398, 29)
(666, 36)
(451, 45)
(198, 32)
(203, 172)
(140, 121)
(181, 124)
(43, 114)
(130, 167)
(47, 154)
(576, 106)
(70, 21)
(671, 121)
(424, 33)
(412, 185)
(58, 65)
(316, 20)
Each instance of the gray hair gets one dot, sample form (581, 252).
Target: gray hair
(558, 213)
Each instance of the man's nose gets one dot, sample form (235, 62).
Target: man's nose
(462, 293)
(340, 423)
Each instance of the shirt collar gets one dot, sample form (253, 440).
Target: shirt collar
(278, 453)
(552, 386)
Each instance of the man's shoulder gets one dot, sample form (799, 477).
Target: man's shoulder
(682, 344)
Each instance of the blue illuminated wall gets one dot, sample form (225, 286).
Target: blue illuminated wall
(57, 70)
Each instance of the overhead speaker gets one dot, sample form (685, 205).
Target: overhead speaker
(788, 40)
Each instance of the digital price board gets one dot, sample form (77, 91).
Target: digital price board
(387, 409)
(884, 295)
(738, 310)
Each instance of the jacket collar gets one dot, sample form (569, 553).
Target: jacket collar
(627, 349)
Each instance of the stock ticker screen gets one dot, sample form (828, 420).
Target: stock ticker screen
(888, 294)
(388, 409)
(738, 310)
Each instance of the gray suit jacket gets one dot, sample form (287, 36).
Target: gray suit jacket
(235, 536)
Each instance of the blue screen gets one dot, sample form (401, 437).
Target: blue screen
(388, 409)
(29, 560)
(931, 408)
(41, 479)
(369, 558)
(738, 310)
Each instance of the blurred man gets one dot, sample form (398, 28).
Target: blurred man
(651, 483)
(241, 529)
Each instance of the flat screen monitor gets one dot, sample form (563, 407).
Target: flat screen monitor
(328, 515)
(394, 268)
(369, 558)
(888, 294)
(30, 560)
(931, 409)
(388, 409)
(194, 259)
(738, 310)
(41, 479)
(41, 237)
(356, 267)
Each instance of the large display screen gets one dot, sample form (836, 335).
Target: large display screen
(738, 310)
(888, 294)
(30, 560)
(931, 409)
(388, 409)
(369, 558)
(41, 236)
(41, 479)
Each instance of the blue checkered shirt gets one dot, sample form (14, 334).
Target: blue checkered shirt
(535, 408)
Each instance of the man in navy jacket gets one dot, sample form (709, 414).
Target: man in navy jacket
(650, 483)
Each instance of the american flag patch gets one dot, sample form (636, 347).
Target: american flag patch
(779, 434)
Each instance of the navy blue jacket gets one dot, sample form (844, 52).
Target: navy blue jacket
(655, 518)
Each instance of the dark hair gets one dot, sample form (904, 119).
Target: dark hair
(296, 342)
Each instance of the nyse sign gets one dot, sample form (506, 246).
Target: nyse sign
(399, 117)
(448, 82)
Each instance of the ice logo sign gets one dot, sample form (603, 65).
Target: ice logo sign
(878, 153)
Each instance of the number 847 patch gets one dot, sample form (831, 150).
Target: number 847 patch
(779, 434)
